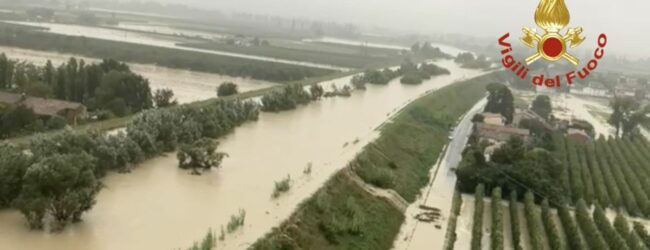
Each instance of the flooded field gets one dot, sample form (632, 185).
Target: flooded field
(322, 134)
(166, 30)
(154, 40)
(568, 106)
(447, 49)
(188, 86)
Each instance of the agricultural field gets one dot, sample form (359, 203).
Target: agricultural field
(362, 59)
(607, 189)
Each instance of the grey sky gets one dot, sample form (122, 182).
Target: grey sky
(623, 21)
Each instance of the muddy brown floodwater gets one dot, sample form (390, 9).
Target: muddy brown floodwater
(158, 206)
(188, 86)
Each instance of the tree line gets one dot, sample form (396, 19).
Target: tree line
(20, 36)
(108, 88)
(411, 73)
(60, 176)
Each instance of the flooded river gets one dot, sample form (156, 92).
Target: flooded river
(158, 206)
(188, 86)
(154, 40)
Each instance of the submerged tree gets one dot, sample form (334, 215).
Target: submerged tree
(200, 155)
(13, 164)
(62, 185)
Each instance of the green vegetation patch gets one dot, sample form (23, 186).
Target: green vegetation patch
(408, 146)
(341, 215)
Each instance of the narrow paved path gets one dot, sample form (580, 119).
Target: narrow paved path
(438, 193)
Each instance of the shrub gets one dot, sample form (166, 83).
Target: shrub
(56, 122)
(477, 227)
(236, 221)
(573, 237)
(623, 228)
(514, 221)
(456, 204)
(200, 155)
(281, 187)
(209, 242)
(227, 89)
(164, 98)
(287, 98)
(642, 232)
(532, 220)
(411, 79)
(497, 220)
(588, 227)
(613, 239)
(552, 233)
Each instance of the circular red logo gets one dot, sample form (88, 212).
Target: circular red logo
(552, 47)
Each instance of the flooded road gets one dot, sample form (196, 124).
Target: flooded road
(158, 206)
(154, 40)
(188, 86)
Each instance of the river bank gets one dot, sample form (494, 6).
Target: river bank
(331, 217)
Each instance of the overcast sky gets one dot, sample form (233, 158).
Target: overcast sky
(625, 22)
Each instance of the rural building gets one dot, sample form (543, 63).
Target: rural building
(577, 135)
(71, 111)
(500, 133)
(493, 118)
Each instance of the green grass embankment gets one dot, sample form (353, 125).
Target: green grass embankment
(342, 215)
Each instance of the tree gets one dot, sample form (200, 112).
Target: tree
(573, 236)
(124, 92)
(227, 89)
(62, 185)
(13, 164)
(200, 155)
(623, 228)
(514, 221)
(542, 106)
(49, 74)
(500, 100)
(592, 236)
(626, 114)
(497, 220)
(415, 48)
(642, 232)
(316, 91)
(164, 98)
(16, 118)
(477, 227)
(532, 220)
(611, 236)
(552, 232)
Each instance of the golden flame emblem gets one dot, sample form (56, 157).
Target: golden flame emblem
(552, 16)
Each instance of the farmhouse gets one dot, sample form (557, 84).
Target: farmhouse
(71, 111)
